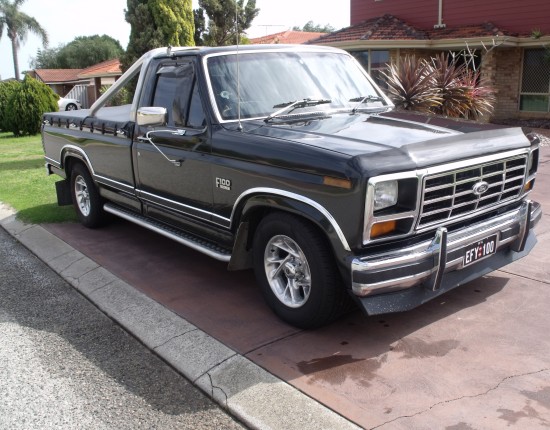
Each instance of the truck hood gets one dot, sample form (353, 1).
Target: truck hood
(390, 141)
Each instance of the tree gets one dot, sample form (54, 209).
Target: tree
(18, 25)
(200, 26)
(82, 52)
(27, 104)
(157, 23)
(221, 20)
(315, 28)
(6, 90)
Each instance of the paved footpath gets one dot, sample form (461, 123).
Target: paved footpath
(65, 365)
(252, 395)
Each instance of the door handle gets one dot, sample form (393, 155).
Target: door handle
(147, 139)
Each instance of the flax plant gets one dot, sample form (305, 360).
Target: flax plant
(410, 85)
(441, 86)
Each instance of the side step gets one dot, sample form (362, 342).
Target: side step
(194, 242)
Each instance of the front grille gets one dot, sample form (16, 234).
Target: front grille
(450, 195)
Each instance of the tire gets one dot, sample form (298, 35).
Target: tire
(87, 202)
(296, 271)
(71, 106)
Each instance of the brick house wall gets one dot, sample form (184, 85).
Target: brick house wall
(508, 63)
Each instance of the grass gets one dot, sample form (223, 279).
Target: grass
(24, 184)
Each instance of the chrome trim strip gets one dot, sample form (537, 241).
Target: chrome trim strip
(474, 161)
(142, 193)
(53, 162)
(108, 181)
(439, 245)
(79, 150)
(300, 198)
(524, 228)
(207, 251)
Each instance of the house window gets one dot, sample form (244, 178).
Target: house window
(374, 62)
(535, 81)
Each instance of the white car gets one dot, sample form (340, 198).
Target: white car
(68, 104)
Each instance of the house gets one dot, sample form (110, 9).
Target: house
(82, 84)
(99, 75)
(509, 39)
(288, 36)
(61, 81)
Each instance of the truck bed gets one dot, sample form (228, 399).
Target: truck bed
(109, 120)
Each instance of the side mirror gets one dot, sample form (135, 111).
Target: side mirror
(152, 116)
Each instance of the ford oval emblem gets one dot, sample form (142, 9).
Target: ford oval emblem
(480, 188)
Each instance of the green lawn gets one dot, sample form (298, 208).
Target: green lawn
(24, 184)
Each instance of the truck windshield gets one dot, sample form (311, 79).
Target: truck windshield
(269, 80)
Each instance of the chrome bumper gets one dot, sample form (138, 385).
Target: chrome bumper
(426, 262)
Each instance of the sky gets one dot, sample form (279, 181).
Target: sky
(66, 19)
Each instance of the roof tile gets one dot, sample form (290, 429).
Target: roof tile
(106, 68)
(288, 36)
(388, 27)
(50, 76)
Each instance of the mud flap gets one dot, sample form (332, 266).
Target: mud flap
(63, 191)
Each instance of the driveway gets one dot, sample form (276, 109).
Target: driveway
(478, 357)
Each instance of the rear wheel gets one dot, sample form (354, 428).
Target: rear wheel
(86, 199)
(297, 272)
(71, 106)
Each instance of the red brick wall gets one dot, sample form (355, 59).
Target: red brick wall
(519, 16)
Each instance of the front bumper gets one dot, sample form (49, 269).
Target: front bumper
(438, 265)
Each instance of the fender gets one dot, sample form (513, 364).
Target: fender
(290, 202)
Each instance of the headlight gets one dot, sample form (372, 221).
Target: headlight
(533, 162)
(385, 194)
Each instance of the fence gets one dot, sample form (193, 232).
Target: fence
(79, 92)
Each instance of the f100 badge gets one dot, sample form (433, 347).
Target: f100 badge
(224, 184)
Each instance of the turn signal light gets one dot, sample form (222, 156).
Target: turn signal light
(382, 228)
(528, 186)
(337, 182)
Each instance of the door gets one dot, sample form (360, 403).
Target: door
(172, 161)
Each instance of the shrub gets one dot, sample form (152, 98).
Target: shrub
(26, 106)
(122, 97)
(6, 90)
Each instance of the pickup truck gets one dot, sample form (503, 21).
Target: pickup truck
(291, 161)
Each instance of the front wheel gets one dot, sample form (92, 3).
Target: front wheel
(297, 272)
(86, 199)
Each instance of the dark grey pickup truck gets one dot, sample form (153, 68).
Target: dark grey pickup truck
(289, 160)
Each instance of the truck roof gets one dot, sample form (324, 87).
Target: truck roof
(206, 50)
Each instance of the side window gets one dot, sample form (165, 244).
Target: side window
(196, 112)
(176, 90)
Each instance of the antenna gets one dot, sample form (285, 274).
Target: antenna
(239, 127)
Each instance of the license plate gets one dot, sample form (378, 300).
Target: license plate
(479, 250)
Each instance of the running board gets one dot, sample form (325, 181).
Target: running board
(194, 242)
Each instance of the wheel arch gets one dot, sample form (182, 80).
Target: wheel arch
(255, 205)
(71, 155)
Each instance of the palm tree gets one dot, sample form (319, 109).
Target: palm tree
(18, 25)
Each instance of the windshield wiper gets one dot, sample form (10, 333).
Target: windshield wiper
(365, 99)
(296, 104)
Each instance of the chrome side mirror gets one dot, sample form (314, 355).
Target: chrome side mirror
(152, 116)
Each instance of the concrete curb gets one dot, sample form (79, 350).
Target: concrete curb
(251, 394)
